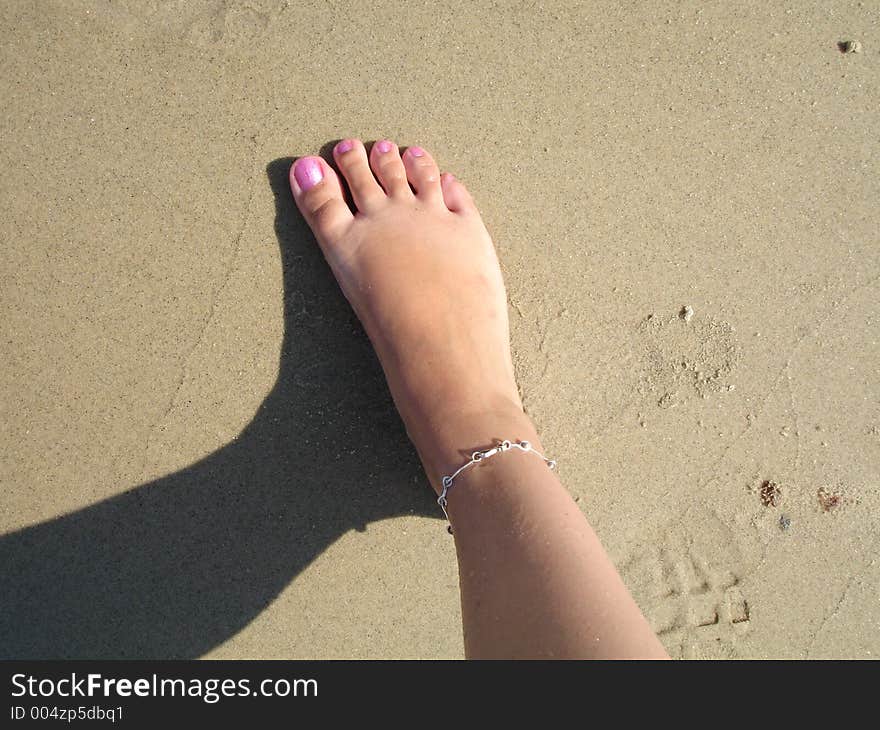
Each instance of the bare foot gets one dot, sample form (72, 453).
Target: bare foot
(418, 266)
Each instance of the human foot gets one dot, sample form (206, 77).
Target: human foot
(419, 268)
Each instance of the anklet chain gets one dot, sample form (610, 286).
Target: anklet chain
(476, 458)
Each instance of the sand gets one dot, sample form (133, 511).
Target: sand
(200, 457)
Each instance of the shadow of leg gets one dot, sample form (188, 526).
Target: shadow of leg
(174, 567)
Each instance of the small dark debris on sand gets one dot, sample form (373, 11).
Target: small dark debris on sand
(771, 493)
(784, 522)
(828, 500)
(850, 46)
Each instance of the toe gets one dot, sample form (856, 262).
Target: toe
(455, 195)
(386, 163)
(423, 174)
(318, 195)
(351, 157)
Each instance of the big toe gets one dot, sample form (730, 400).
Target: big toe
(318, 195)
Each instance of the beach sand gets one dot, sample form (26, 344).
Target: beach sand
(200, 457)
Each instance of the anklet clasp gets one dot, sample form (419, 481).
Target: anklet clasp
(477, 457)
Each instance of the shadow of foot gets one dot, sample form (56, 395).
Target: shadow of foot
(174, 567)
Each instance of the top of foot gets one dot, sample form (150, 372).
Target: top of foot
(416, 263)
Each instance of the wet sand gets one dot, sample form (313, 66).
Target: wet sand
(200, 457)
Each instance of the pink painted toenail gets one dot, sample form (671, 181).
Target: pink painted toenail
(344, 146)
(308, 172)
(416, 151)
(383, 146)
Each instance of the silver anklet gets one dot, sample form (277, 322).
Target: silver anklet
(477, 457)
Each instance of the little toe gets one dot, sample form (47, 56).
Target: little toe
(423, 174)
(456, 195)
(318, 195)
(351, 157)
(388, 167)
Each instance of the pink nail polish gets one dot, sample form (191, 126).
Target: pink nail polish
(344, 146)
(307, 172)
(416, 151)
(383, 146)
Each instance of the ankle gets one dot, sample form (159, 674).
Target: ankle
(446, 438)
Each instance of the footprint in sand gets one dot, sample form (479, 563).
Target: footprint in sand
(212, 22)
(692, 593)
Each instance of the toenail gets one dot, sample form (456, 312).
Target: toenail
(308, 172)
(344, 146)
(416, 151)
(383, 146)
